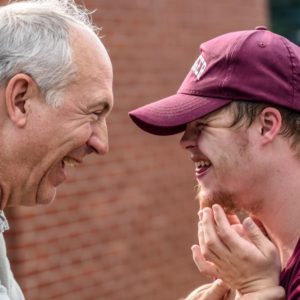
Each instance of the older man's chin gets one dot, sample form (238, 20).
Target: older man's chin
(32, 198)
(45, 196)
(47, 187)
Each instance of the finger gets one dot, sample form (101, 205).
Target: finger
(240, 230)
(200, 214)
(202, 243)
(202, 240)
(211, 238)
(214, 247)
(233, 219)
(230, 237)
(257, 237)
(201, 233)
(198, 292)
(217, 291)
(236, 224)
(260, 225)
(205, 267)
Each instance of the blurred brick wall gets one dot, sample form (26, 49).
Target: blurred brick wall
(122, 226)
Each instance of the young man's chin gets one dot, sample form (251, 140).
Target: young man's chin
(223, 198)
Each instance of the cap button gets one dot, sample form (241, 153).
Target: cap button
(261, 28)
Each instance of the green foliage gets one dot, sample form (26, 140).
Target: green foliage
(285, 18)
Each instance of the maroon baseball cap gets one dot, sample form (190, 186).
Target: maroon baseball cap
(253, 65)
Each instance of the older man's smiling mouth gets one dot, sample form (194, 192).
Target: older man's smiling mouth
(70, 161)
(58, 176)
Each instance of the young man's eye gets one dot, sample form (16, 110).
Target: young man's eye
(200, 125)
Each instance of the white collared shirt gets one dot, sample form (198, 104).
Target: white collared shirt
(9, 288)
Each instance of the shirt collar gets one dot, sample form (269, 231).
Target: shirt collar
(3, 222)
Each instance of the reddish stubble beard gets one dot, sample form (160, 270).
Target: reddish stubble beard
(228, 202)
(223, 198)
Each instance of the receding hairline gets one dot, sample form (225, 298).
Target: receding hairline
(66, 10)
(33, 30)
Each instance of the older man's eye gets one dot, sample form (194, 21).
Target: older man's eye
(97, 114)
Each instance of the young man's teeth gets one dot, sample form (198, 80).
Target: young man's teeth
(201, 164)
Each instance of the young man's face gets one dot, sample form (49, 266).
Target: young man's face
(223, 157)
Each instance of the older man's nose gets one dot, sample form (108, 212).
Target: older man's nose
(98, 140)
(97, 144)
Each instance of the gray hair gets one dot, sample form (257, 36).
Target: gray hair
(34, 37)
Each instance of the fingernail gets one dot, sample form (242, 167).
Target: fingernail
(206, 211)
(193, 247)
(218, 281)
(215, 207)
(248, 222)
(200, 214)
(199, 225)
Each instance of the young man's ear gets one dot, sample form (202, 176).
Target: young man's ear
(270, 122)
(19, 90)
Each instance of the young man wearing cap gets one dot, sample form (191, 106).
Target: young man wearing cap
(239, 108)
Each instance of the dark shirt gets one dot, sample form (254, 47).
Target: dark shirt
(290, 275)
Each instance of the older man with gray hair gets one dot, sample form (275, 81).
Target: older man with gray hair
(55, 95)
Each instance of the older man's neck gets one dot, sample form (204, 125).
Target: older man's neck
(4, 196)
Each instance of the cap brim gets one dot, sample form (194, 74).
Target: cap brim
(170, 115)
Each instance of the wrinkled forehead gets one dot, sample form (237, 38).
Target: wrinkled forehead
(89, 53)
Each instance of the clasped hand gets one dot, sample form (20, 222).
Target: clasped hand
(238, 254)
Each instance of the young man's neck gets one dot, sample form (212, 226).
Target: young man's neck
(280, 217)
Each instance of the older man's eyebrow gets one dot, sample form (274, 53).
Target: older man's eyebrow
(104, 104)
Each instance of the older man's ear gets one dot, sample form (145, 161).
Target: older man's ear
(19, 90)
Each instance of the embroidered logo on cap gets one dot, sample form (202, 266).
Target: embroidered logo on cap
(199, 66)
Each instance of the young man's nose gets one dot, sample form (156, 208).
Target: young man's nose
(188, 140)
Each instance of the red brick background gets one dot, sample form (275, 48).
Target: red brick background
(122, 226)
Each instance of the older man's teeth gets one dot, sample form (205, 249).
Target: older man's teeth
(70, 162)
(202, 164)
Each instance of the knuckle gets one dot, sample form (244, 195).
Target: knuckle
(271, 252)
(199, 265)
(200, 229)
(206, 253)
(210, 243)
(224, 235)
(244, 258)
(196, 258)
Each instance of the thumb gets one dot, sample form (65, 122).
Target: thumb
(217, 290)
